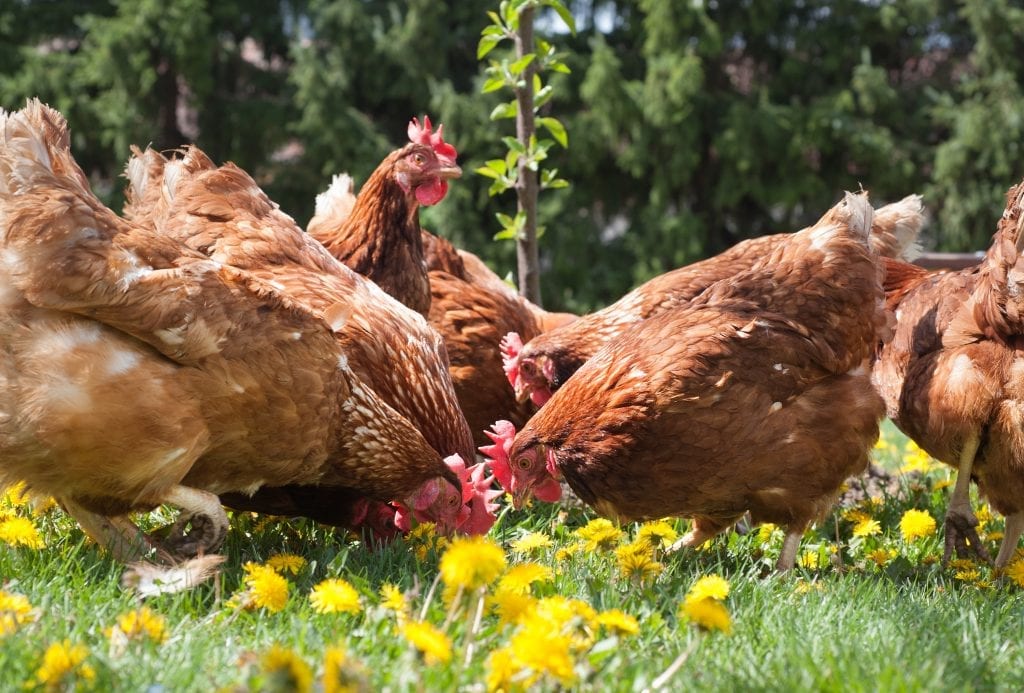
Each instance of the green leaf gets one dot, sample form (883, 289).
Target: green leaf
(505, 235)
(543, 47)
(487, 171)
(495, 18)
(492, 30)
(497, 187)
(513, 144)
(492, 84)
(557, 130)
(512, 161)
(505, 110)
(498, 165)
(564, 13)
(505, 220)
(540, 231)
(542, 97)
(556, 184)
(559, 66)
(518, 66)
(486, 45)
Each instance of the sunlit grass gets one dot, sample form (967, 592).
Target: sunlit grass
(553, 598)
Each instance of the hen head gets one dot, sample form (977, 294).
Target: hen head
(522, 468)
(424, 166)
(437, 500)
(529, 376)
(376, 517)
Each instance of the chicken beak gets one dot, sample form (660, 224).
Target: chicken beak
(448, 171)
(522, 393)
(519, 497)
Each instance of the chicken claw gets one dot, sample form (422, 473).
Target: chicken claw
(962, 537)
(201, 510)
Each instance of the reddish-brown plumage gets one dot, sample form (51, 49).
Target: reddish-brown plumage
(379, 237)
(755, 396)
(140, 369)
(560, 352)
(953, 375)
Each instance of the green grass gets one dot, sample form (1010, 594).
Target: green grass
(908, 625)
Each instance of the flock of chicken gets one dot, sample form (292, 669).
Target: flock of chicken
(201, 350)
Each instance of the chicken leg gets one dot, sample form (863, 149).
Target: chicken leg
(790, 546)
(118, 535)
(702, 530)
(1011, 535)
(961, 524)
(203, 511)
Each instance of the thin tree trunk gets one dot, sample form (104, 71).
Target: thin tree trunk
(528, 260)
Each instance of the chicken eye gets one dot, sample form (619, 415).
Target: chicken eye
(523, 463)
(418, 159)
(453, 501)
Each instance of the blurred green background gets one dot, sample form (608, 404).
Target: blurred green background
(692, 124)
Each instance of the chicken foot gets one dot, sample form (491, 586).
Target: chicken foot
(1011, 535)
(118, 535)
(203, 511)
(961, 534)
(702, 530)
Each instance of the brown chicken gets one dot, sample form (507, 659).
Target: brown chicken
(136, 371)
(379, 236)
(953, 377)
(473, 313)
(222, 213)
(543, 365)
(470, 306)
(756, 396)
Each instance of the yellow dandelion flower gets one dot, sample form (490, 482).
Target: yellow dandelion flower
(284, 670)
(656, 535)
(917, 460)
(342, 674)
(19, 531)
(809, 560)
(545, 653)
(16, 495)
(266, 588)
(425, 532)
(803, 587)
(558, 611)
(568, 551)
(636, 562)
(142, 624)
(1015, 571)
(15, 610)
(984, 515)
(599, 534)
(531, 542)
(501, 669)
(706, 612)
(520, 577)
(962, 564)
(434, 644)
(968, 575)
(916, 524)
(881, 556)
(854, 515)
(618, 622)
(882, 445)
(287, 563)
(942, 483)
(472, 562)
(867, 528)
(392, 598)
(709, 587)
(993, 536)
(334, 596)
(63, 665)
(765, 532)
(511, 606)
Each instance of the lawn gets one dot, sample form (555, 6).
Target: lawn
(552, 600)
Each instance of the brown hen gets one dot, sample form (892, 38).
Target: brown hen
(379, 235)
(544, 364)
(754, 397)
(221, 212)
(136, 371)
(953, 377)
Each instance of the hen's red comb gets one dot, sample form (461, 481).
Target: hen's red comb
(423, 135)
